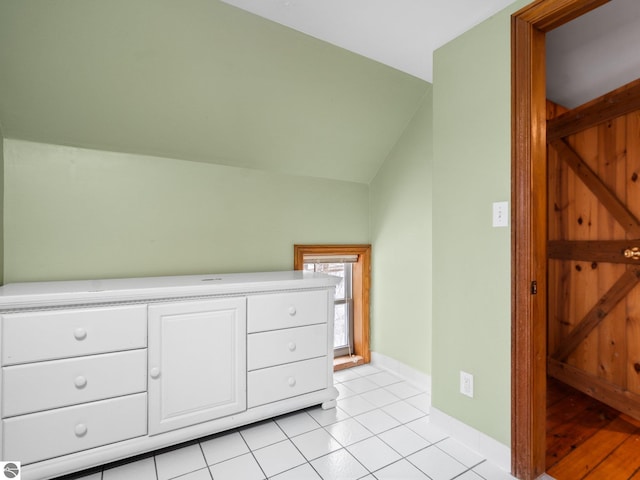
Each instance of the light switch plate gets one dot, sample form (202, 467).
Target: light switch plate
(500, 214)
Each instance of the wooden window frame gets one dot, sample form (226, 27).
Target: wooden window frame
(361, 288)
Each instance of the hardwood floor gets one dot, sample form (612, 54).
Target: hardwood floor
(587, 439)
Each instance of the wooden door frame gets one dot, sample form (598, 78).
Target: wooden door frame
(529, 227)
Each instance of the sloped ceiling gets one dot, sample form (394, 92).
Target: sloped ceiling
(202, 80)
(399, 33)
(197, 80)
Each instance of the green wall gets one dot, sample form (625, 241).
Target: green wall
(401, 237)
(471, 259)
(1, 207)
(74, 213)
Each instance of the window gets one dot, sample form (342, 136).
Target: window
(343, 305)
(352, 263)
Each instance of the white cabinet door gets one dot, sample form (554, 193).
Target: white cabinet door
(197, 362)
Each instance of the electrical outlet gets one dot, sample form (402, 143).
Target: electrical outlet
(466, 384)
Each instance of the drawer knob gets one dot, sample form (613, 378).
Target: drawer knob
(292, 310)
(80, 430)
(80, 381)
(80, 333)
(154, 372)
(292, 347)
(292, 382)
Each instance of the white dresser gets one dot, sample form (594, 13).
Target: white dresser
(96, 371)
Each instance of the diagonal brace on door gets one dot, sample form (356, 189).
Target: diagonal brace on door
(608, 199)
(594, 317)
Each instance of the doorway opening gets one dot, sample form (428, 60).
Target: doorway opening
(529, 220)
(593, 277)
(553, 255)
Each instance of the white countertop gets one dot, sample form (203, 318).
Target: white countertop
(37, 294)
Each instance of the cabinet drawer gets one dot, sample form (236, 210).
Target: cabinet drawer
(38, 436)
(277, 383)
(285, 310)
(34, 336)
(267, 349)
(72, 381)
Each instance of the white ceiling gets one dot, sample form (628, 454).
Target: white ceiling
(400, 33)
(586, 58)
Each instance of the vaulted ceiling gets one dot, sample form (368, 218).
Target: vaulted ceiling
(205, 81)
(197, 80)
(399, 33)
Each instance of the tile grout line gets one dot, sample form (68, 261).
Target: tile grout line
(456, 459)
(252, 455)
(223, 434)
(205, 460)
(155, 467)
(296, 447)
(477, 473)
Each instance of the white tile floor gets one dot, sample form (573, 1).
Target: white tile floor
(380, 430)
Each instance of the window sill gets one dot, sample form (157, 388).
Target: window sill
(348, 361)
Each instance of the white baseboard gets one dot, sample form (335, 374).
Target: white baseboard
(494, 451)
(488, 447)
(402, 370)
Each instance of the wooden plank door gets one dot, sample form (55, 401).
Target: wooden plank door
(593, 339)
